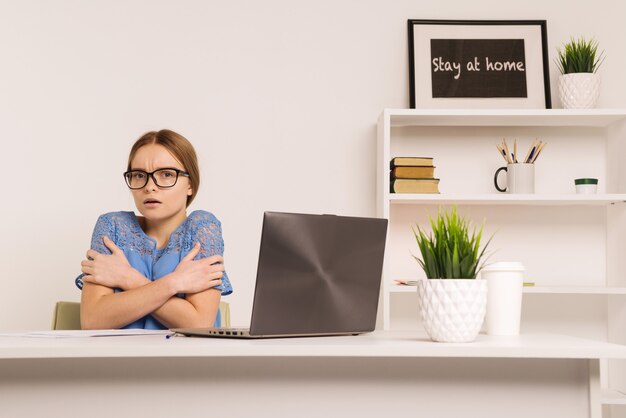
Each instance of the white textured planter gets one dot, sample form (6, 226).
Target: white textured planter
(579, 90)
(453, 310)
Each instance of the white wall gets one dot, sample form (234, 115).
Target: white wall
(280, 99)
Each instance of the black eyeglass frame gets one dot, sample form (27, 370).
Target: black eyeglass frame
(151, 174)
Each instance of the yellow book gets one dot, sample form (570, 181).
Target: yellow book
(415, 172)
(410, 161)
(415, 186)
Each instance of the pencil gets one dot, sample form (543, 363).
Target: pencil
(508, 160)
(539, 149)
(526, 160)
(515, 150)
(501, 152)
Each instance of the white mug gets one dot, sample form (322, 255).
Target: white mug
(520, 178)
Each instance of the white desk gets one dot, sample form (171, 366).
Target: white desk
(381, 374)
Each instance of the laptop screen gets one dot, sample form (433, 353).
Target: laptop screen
(318, 274)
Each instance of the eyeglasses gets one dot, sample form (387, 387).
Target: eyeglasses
(163, 178)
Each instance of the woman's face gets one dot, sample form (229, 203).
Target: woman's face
(158, 203)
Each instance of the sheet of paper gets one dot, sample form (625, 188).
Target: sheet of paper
(87, 333)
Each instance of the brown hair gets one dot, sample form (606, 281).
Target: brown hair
(179, 147)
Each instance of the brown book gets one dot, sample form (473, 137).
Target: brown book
(415, 186)
(410, 161)
(415, 172)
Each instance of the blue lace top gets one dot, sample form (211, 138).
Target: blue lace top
(141, 252)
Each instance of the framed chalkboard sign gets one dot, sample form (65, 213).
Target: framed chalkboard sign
(478, 64)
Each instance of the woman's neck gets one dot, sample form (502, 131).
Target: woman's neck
(161, 229)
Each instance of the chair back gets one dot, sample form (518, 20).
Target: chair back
(225, 313)
(66, 316)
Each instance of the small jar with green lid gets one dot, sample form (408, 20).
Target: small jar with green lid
(586, 186)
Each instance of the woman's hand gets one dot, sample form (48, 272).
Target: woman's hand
(193, 276)
(112, 270)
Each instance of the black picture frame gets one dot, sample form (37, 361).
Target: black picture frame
(442, 73)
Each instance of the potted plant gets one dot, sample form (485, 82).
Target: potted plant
(452, 302)
(579, 84)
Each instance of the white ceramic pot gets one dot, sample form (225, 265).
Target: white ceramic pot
(579, 90)
(453, 310)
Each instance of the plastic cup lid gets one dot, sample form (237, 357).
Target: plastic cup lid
(504, 266)
(586, 181)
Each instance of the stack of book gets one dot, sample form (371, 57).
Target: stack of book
(413, 175)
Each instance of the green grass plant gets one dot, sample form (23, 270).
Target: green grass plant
(579, 56)
(450, 251)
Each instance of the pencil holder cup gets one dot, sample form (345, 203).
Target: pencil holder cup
(520, 178)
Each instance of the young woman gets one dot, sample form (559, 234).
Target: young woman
(163, 269)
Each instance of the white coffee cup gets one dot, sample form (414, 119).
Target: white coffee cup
(505, 281)
(520, 178)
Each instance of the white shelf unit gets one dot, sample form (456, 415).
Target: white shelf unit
(573, 246)
(506, 199)
(557, 290)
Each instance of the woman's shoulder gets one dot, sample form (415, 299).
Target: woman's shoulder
(202, 217)
(118, 226)
(116, 218)
(201, 225)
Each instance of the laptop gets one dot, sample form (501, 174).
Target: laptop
(317, 275)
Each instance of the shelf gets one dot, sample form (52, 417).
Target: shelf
(505, 117)
(506, 199)
(576, 290)
(613, 397)
(555, 290)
